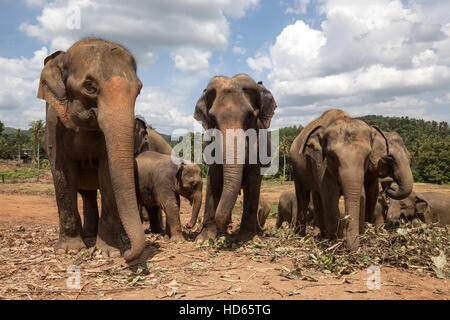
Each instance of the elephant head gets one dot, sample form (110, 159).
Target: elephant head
(404, 208)
(93, 86)
(341, 150)
(190, 186)
(233, 104)
(390, 158)
(140, 136)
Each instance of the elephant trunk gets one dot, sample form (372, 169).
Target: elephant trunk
(116, 120)
(196, 205)
(404, 179)
(352, 180)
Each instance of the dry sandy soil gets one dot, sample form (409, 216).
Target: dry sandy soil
(29, 268)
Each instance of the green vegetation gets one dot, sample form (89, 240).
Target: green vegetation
(26, 145)
(427, 141)
(19, 173)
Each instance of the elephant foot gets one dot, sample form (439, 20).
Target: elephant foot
(69, 245)
(106, 250)
(207, 233)
(177, 238)
(244, 235)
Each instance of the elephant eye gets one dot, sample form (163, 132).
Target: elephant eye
(90, 87)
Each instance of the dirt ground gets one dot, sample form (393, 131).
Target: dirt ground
(29, 268)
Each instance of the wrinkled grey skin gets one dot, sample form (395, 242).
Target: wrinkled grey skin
(429, 207)
(233, 103)
(159, 184)
(90, 92)
(263, 212)
(147, 139)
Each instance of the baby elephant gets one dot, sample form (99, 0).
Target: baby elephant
(159, 184)
(263, 212)
(287, 208)
(429, 207)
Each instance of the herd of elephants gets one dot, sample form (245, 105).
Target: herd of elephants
(95, 142)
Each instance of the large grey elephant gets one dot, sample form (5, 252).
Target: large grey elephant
(160, 182)
(330, 158)
(429, 207)
(90, 92)
(233, 103)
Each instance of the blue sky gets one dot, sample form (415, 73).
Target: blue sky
(386, 57)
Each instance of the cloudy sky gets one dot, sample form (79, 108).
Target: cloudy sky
(386, 57)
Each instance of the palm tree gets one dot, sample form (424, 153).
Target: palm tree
(19, 136)
(285, 145)
(37, 132)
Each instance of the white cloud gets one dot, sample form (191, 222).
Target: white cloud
(144, 26)
(371, 55)
(298, 7)
(163, 111)
(20, 79)
(259, 63)
(192, 61)
(239, 50)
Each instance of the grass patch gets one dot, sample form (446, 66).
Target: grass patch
(20, 173)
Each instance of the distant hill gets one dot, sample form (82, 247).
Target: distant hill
(12, 131)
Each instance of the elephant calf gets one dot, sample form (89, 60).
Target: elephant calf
(160, 182)
(429, 207)
(263, 212)
(287, 209)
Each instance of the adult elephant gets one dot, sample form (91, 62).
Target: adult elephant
(390, 160)
(330, 158)
(237, 103)
(90, 93)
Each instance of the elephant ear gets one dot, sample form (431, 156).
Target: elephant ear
(313, 145)
(201, 108)
(267, 106)
(52, 88)
(423, 210)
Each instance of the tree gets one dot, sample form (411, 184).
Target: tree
(285, 145)
(19, 138)
(37, 133)
(1, 127)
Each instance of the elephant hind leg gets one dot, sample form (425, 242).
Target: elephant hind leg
(155, 219)
(90, 216)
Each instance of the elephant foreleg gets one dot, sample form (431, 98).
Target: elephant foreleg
(171, 207)
(299, 219)
(252, 186)
(213, 192)
(111, 237)
(330, 194)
